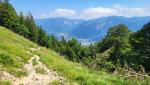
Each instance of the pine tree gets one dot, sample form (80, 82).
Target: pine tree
(54, 44)
(71, 55)
(24, 30)
(9, 17)
(33, 31)
(42, 37)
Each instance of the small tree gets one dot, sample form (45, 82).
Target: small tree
(141, 46)
(117, 36)
(33, 31)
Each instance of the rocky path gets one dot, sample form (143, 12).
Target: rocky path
(38, 74)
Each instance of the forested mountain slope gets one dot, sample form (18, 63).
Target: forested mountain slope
(16, 52)
(121, 58)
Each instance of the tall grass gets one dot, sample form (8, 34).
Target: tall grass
(5, 59)
(2, 82)
(13, 51)
(15, 48)
(75, 72)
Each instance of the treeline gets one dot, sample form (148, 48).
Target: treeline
(25, 26)
(120, 46)
(129, 49)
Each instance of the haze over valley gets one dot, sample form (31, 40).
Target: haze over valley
(88, 31)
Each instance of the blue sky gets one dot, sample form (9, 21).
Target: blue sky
(82, 9)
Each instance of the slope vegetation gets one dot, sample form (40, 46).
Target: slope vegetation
(22, 60)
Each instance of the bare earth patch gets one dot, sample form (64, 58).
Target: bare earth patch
(34, 78)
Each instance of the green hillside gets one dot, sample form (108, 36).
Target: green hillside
(13, 55)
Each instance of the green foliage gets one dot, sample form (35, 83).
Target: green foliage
(141, 46)
(30, 24)
(54, 43)
(71, 54)
(5, 59)
(55, 82)
(13, 51)
(3, 82)
(9, 18)
(109, 66)
(34, 62)
(40, 70)
(117, 36)
(25, 26)
(75, 72)
(18, 73)
(101, 59)
(42, 38)
(8, 15)
(135, 53)
(24, 30)
(17, 46)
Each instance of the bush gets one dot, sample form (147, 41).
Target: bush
(40, 70)
(55, 82)
(2, 82)
(5, 59)
(110, 67)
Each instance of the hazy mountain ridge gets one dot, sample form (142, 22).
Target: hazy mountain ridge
(58, 24)
(91, 30)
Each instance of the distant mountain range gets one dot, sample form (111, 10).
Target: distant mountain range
(89, 30)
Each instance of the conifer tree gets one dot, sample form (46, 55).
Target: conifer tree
(33, 31)
(9, 17)
(42, 37)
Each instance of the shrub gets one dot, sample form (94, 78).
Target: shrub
(40, 70)
(2, 82)
(34, 62)
(55, 82)
(5, 59)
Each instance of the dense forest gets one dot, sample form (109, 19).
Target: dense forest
(120, 49)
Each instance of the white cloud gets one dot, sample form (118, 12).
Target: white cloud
(59, 13)
(64, 12)
(130, 12)
(96, 12)
(116, 10)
